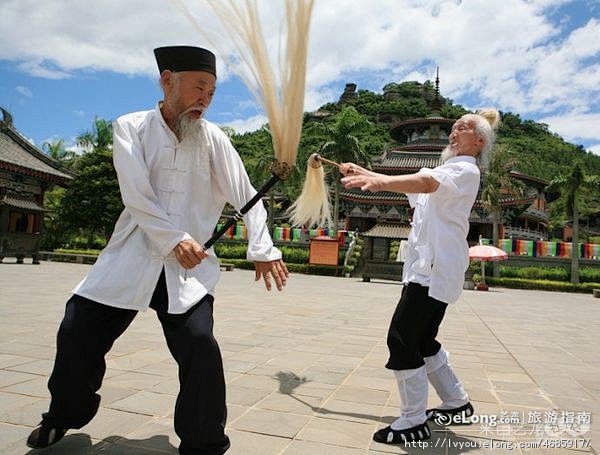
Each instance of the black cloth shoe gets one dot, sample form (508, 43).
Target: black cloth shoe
(44, 436)
(388, 436)
(458, 415)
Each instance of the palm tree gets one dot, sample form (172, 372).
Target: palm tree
(571, 186)
(497, 181)
(343, 146)
(100, 138)
(56, 149)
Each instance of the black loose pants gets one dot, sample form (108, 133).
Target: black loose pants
(87, 333)
(414, 327)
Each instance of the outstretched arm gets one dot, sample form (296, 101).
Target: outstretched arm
(359, 177)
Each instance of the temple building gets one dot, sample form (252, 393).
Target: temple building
(385, 216)
(25, 174)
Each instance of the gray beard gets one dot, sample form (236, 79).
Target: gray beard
(189, 129)
(448, 153)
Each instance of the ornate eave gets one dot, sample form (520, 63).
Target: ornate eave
(18, 155)
(21, 203)
(382, 197)
(534, 181)
(388, 231)
(404, 161)
(397, 129)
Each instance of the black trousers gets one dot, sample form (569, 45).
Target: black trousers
(413, 328)
(87, 333)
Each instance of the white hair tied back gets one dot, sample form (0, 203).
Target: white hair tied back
(486, 122)
(491, 115)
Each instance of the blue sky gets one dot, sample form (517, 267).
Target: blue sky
(537, 58)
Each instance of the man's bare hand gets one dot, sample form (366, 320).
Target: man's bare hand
(369, 181)
(274, 269)
(189, 253)
(354, 169)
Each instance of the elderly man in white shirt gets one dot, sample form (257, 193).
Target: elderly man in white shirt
(176, 172)
(436, 258)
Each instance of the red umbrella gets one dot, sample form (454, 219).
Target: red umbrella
(486, 253)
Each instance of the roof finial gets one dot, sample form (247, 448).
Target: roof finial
(436, 103)
(6, 117)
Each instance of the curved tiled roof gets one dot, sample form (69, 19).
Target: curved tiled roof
(382, 197)
(390, 198)
(408, 160)
(21, 203)
(423, 121)
(388, 231)
(17, 154)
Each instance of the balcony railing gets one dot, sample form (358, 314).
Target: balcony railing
(523, 233)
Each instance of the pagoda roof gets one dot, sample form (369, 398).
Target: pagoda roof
(381, 197)
(18, 155)
(401, 160)
(423, 120)
(430, 145)
(391, 198)
(21, 203)
(529, 178)
(388, 231)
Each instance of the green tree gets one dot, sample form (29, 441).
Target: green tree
(100, 137)
(92, 204)
(497, 182)
(57, 150)
(571, 185)
(343, 145)
(55, 234)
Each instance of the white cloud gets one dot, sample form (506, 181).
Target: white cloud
(512, 54)
(247, 124)
(24, 91)
(79, 112)
(595, 149)
(574, 127)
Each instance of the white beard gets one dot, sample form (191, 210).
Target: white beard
(448, 152)
(194, 142)
(189, 129)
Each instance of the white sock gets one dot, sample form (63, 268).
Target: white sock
(445, 382)
(412, 385)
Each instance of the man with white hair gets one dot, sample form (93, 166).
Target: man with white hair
(436, 259)
(176, 171)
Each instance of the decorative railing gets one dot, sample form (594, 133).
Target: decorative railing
(524, 233)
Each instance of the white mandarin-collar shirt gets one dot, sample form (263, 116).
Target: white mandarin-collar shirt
(171, 192)
(437, 253)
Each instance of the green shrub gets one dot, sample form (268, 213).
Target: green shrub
(327, 270)
(535, 273)
(544, 285)
(232, 251)
(394, 247)
(589, 275)
(293, 255)
(76, 251)
(586, 274)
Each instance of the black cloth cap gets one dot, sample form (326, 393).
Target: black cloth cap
(185, 58)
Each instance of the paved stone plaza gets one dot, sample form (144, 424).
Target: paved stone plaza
(304, 368)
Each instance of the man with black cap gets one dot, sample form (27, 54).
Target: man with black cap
(176, 171)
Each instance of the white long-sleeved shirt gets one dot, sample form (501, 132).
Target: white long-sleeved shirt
(171, 192)
(437, 253)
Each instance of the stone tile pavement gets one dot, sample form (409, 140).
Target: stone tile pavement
(305, 373)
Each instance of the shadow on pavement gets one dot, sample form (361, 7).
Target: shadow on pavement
(82, 444)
